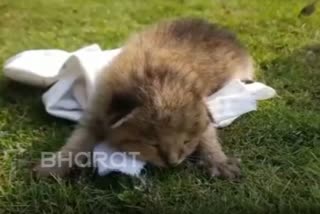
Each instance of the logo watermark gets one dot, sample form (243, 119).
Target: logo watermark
(89, 159)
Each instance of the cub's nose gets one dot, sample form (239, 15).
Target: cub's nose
(174, 160)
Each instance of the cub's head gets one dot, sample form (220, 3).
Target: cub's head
(162, 128)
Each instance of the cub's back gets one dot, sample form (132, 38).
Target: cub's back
(195, 46)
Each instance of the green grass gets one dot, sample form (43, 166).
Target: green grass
(279, 144)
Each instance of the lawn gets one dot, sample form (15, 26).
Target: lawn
(278, 144)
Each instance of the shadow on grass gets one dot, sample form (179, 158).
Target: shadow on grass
(27, 128)
(296, 75)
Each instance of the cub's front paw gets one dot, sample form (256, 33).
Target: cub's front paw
(43, 170)
(229, 169)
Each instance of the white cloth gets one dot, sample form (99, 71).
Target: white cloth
(108, 159)
(73, 75)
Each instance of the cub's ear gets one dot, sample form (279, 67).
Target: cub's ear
(122, 107)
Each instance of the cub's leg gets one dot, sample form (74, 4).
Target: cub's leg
(215, 159)
(78, 147)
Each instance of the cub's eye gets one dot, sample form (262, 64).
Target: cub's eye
(186, 141)
(153, 145)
